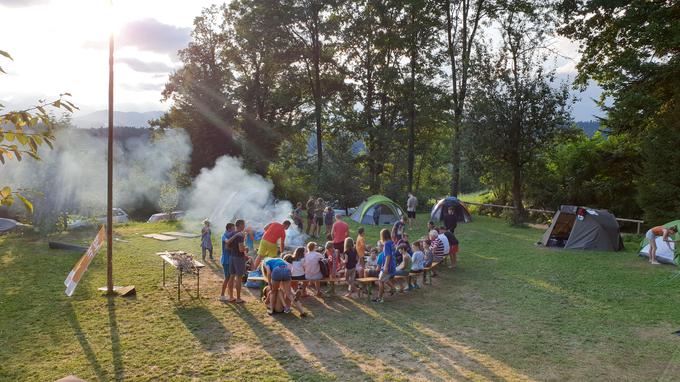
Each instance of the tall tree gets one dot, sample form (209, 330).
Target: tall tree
(631, 49)
(311, 27)
(463, 19)
(515, 109)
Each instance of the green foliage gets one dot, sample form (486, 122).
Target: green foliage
(23, 132)
(599, 172)
(659, 188)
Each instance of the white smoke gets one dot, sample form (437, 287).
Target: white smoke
(72, 177)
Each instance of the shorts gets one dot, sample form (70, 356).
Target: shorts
(350, 276)
(402, 273)
(267, 249)
(317, 276)
(301, 277)
(281, 274)
(237, 265)
(225, 265)
(411, 214)
(372, 273)
(339, 246)
(385, 277)
(310, 219)
(319, 221)
(453, 249)
(650, 235)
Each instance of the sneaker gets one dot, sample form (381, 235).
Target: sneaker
(270, 312)
(416, 286)
(224, 298)
(286, 310)
(654, 262)
(378, 300)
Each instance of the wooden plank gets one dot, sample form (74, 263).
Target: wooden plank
(158, 236)
(181, 234)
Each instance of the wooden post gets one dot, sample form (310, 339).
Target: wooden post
(109, 185)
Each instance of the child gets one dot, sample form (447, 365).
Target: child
(328, 217)
(333, 260)
(361, 251)
(404, 268)
(350, 261)
(250, 241)
(229, 231)
(371, 268)
(206, 240)
(417, 263)
(297, 267)
(386, 264)
(429, 256)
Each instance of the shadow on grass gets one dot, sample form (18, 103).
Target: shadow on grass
(90, 355)
(299, 366)
(207, 328)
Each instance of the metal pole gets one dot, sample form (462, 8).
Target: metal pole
(109, 185)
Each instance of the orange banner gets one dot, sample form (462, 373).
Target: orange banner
(81, 266)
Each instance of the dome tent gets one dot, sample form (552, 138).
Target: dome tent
(377, 210)
(664, 254)
(583, 228)
(441, 207)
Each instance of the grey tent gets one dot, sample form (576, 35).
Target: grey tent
(583, 228)
(7, 225)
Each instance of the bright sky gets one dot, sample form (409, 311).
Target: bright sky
(61, 46)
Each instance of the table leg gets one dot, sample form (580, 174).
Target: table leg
(179, 282)
(198, 283)
(369, 287)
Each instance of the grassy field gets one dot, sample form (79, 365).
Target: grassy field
(511, 311)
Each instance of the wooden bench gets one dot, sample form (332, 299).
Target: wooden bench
(331, 281)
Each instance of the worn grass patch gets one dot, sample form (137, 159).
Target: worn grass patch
(512, 311)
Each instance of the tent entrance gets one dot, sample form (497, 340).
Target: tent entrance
(561, 230)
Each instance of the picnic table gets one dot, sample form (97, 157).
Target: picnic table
(167, 259)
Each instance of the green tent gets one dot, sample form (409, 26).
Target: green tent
(378, 210)
(664, 254)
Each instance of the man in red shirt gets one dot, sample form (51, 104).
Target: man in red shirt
(340, 232)
(273, 232)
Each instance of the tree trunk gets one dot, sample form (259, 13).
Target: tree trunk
(316, 58)
(519, 212)
(412, 116)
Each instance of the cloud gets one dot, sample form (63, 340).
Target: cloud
(22, 3)
(144, 66)
(151, 35)
(144, 86)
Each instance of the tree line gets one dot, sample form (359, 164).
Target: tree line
(347, 98)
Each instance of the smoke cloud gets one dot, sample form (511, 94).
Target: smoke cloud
(72, 177)
(228, 192)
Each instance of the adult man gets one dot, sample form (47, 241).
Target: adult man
(237, 260)
(319, 209)
(398, 229)
(411, 205)
(451, 219)
(339, 232)
(273, 232)
(310, 215)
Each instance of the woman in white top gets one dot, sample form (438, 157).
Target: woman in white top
(311, 266)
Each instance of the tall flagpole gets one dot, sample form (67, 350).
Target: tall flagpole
(109, 185)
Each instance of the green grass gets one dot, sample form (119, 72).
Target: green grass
(511, 312)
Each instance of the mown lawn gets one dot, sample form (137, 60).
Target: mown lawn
(512, 311)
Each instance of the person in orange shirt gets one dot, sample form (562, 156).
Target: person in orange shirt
(273, 232)
(655, 232)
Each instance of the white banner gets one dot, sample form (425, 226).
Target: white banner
(81, 266)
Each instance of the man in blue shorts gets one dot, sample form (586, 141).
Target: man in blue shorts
(228, 233)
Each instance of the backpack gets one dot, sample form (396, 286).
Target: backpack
(325, 268)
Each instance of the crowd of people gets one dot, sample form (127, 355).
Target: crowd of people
(342, 257)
